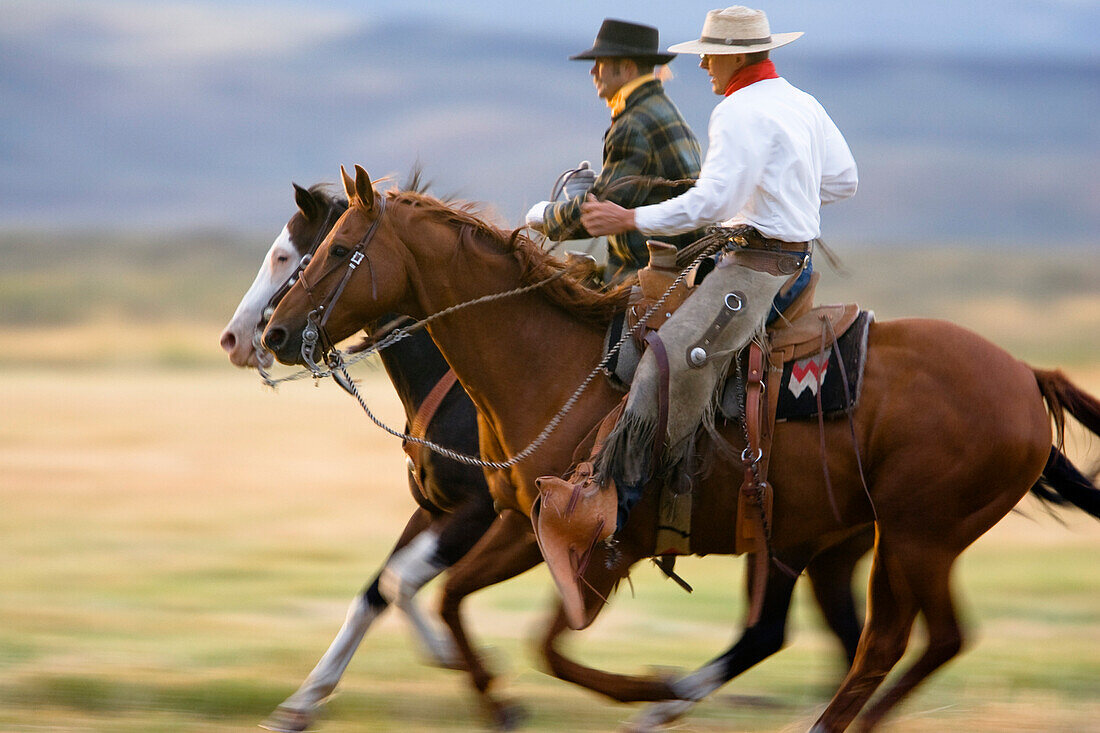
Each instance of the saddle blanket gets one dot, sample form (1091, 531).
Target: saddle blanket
(799, 385)
(803, 378)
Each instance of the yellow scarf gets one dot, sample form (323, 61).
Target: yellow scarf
(618, 102)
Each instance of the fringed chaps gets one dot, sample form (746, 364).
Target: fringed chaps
(627, 456)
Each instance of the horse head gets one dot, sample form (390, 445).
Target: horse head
(317, 212)
(359, 273)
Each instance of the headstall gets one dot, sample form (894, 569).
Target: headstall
(334, 213)
(314, 330)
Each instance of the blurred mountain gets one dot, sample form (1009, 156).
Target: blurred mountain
(99, 132)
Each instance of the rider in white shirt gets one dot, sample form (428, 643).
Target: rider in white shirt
(773, 158)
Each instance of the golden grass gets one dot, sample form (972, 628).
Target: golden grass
(179, 547)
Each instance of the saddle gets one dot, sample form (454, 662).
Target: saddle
(575, 513)
(802, 335)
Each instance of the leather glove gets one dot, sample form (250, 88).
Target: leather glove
(537, 214)
(578, 182)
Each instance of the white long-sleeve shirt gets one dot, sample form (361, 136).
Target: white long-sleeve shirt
(773, 159)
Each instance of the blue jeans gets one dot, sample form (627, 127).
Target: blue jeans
(782, 301)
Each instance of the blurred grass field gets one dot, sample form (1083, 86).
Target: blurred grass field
(179, 544)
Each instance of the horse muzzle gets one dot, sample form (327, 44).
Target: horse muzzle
(283, 343)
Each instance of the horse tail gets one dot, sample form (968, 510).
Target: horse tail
(1064, 396)
(1061, 482)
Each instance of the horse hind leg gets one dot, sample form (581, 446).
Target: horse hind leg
(891, 612)
(931, 587)
(756, 643)
(830, 573)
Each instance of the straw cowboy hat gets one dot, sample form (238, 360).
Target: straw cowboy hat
(622, 39)
(736, 29)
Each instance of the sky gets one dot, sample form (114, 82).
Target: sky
(177, 113)
(1041, 27)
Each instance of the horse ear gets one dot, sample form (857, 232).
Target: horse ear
(349, 185)
(306, 202)
(363, 187)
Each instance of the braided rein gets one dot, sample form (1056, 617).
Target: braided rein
(338, 361)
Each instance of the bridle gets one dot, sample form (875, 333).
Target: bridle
(314, 330)
(692, 256)
(334, 213)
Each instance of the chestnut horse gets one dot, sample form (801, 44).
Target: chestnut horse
(455, 508)
(953, 431)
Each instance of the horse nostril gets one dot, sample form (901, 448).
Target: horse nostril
(229, 341)
(275, 338)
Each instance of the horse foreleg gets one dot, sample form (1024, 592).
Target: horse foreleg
(757, 642)
(430, 553)
(298, 711)
(830, 574)
(600, 581)
(891, 610)
(507, 549)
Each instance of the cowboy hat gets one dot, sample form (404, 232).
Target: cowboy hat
(622, 39)
(736, 29)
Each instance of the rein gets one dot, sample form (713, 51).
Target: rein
(337, 363)
(716, 239)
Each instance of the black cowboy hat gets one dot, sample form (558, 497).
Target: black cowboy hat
(622, 39)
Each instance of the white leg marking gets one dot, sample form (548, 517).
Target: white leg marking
(693, 687)
(323, 679)
(405, 574)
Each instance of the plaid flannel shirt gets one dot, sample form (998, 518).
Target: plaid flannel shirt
(650, 138)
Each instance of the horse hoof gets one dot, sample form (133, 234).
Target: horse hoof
(656, 715)
(286, 720)
(509, 716)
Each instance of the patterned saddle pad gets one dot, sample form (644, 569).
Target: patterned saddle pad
(799, 385)
(803, 378)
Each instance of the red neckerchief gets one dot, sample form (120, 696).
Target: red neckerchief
(751, 74)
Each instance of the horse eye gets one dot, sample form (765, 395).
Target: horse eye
(281, 259)
(339, 251)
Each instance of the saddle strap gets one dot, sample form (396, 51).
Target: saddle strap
(827, 328)
(423, 418)
(674, 512)
(431, 403)
(754, 498)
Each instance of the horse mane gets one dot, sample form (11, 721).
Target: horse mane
(325, 191)
(569, 289)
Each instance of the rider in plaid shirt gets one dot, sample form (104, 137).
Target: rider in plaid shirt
(648, 137)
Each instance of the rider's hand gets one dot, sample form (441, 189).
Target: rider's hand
(605, 217)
